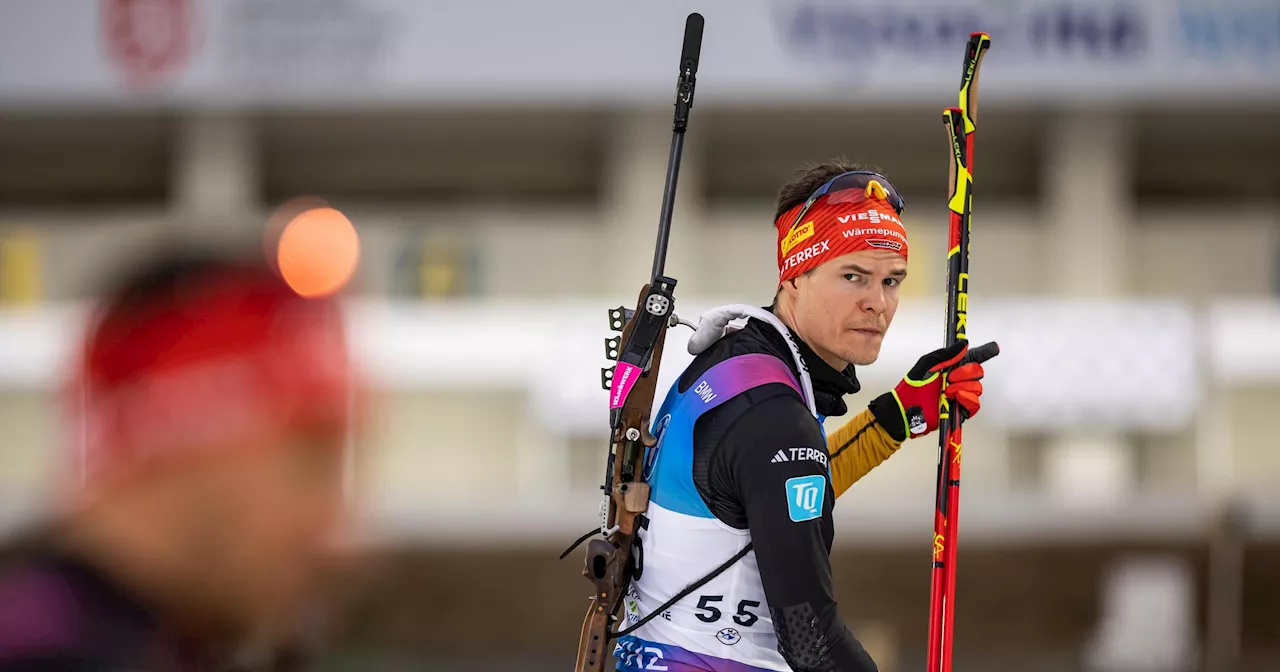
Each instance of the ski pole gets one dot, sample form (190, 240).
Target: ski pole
(960, 123)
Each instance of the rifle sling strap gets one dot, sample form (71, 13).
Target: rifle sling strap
(685, 593)
(590, 533)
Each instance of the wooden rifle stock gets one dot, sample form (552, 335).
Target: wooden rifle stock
(608, 563)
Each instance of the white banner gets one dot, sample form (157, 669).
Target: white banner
(356, 52)
(1124, 364)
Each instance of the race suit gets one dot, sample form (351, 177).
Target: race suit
(740, 460)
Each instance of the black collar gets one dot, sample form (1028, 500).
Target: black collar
(829, 385)
(116, 620)
(96, 591)
(842, 382)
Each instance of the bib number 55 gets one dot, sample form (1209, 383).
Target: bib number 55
(744, 616)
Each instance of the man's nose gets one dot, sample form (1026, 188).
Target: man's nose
(874, 301)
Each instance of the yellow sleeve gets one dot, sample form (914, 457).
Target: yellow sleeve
(859, 446)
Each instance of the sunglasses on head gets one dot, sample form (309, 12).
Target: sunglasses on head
(855, 186)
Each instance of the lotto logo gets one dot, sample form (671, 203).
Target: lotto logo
(797, 236)
(805, 495)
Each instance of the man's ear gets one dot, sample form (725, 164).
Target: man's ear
(786, 288)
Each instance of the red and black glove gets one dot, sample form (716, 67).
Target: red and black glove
(912, 406)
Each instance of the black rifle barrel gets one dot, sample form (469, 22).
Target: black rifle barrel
(685, 82)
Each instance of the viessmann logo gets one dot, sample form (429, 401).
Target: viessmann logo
(871, 216)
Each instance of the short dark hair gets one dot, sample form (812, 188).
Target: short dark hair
(161, 282)
(166, 272)
(160, 277)
(808, 179)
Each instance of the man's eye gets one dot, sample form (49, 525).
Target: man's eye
(892, 282)
(853, 277)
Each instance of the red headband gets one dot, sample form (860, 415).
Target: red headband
(227, 360)
(830, 230)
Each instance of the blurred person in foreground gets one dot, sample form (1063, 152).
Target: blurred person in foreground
(212, 406)
(743, 463)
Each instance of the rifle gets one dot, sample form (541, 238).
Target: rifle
(961, 123)
(631, 384)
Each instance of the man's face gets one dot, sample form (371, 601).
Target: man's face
(844, 306)
(262, 520)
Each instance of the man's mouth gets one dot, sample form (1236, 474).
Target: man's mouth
(870, 331)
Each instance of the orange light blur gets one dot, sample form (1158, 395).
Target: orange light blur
(318, 252)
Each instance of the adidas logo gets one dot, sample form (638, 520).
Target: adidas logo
(779, 457)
